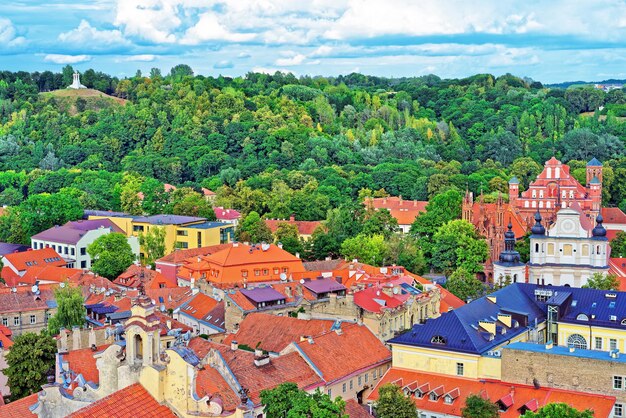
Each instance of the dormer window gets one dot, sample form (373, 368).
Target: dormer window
(433, 396)
(582, 317)
(448, 399)
(438, 339)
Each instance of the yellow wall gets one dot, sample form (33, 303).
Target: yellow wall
(208, 236)
(590, 334)
(445, 362)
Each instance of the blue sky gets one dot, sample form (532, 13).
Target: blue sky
(549, 41)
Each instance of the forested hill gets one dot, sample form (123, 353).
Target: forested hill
(282, 145)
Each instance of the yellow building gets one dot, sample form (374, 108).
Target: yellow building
(469, 340)
(181, 232)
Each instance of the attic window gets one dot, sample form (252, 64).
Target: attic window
(448, 399)
(433, 396)
(582, 317)
(623, 321)
(438, 339)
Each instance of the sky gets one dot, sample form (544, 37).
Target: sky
(549, 41)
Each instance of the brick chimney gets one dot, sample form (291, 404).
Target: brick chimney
(234, 345)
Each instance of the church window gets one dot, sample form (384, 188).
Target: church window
(534, 205)
(541, 204)
(548, 205)
(585, 250)
(577, 341)
(537, 248)
(550, 249)
(541, 193)
(534, 194)
(557, 172)
(567, 250)
(526, 203)
(582, 317)
(438, 339)
(597, 249)
(549, 172)
(564, 194)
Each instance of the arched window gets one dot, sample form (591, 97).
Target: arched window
(582, 317)
(577, 341)
(438, 339)
(536, 248)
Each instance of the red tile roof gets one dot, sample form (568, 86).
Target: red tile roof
(274, 333)
(304, 227)
(19, 408)
(226, 214)
(131, 402)
(355, 410)
(287, 368)
(374, 299)
(514, 394)
(613, 216)
(211, 383)
(199, 306)
(152, 279)
(83, 362)
(334, 353)
(42, 257)
(404, 211)
(5, 338)
(23, 299)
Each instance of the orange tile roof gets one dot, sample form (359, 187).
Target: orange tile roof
(304, 227)
(211, 383)
(21, 261)
(334, 354)
(131, 402)
(179, 256)
(172, 297)
(19, 408)
(287, 368)
(355, 410)
(83, 362)
(225, 268)
(47, 273)
(23, 299)
(274, 333)
(494, 390)
(5, 338)
(404, 211)
(152, 279)
(199, 306)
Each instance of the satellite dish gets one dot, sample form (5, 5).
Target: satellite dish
(395, 290)
(103, 289)
(35, 288)
(62, 285)
(302, 281)
(283, 277)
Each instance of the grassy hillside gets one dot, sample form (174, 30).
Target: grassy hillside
(75, 101)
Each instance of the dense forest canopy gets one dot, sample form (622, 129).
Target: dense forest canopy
(281, 145)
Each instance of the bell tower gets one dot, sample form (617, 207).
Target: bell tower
(467, 207)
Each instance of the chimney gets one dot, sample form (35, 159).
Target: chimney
(288, 291)
(258, 352)
(310, 340)
(297, 255)
(280, 245)
(415, 203)
(292, 218)
(234, 345)
(169, 324)
(261, 361)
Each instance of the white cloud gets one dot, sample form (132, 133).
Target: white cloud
(137, 58)
(152, 20)
(66, 59)
(8, 34)
(90, 37)
(266, 70)
(297, 59)
(209, 28)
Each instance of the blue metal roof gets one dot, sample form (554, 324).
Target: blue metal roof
(460, 330)
(187, 354)
(210, 225)
(565, 351)
(410, 289)
(594, 163)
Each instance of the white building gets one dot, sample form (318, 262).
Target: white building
(72, 239)
(567, 254)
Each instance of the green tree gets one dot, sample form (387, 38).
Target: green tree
(379, 222)
(287, 235)
(367, 249)
(31, 357)
(254, 229)
(392, 403)
(111, 255)
(70, 309)
(618, 245)
(558, 410)
(465, 285)
(287, 401)
(602, 281)
(194, 205)
(42, 211)
(153, 244)
(456, 244)
(440, 209)
(478, 407)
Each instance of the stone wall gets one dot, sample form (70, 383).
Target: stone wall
(563, 371)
